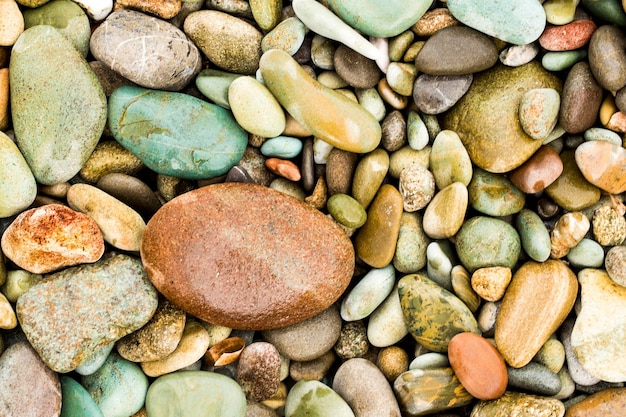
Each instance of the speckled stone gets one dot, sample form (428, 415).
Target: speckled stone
(615, 264)
(609, 226)
(568, 231)
(165, 9)
(607, 402)
(258, 370)
(51, 237)
(517, 404)
(539, 111)
(30, 387)
(162, 65)
(567, 37)
(325, 247)
(315, 369)
(536, 378)
(340, 168)
(417, 187)
(433, 21)
(538, 172)
(352, 341)
(288, 35)
(571, 190)
(116, 285)
(434, 94)
(490, 282)
(602, 164)
(76, 400)
(108, 157)
(12, 22)
(580, 100)
(369, 175)
(357, 70)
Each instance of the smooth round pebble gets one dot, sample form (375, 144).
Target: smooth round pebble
(255, 108)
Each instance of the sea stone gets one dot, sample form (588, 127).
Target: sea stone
(547, 290)
(42, 54)
(229, 241)
(165, 9)
(18, 188)
(486, 117)
(567, 37)
(113, 295)
(51, 237)
(571, 190)
(313, 398)
(541, 170)
(146, 50)
(607, 402)
(603, 164)
(539, 112)
(516, 404)
(258, 370)
(607, 58)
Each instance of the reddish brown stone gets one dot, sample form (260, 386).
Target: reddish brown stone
(51, 237)
(478, 365)
(541, 170)
(608, 402)
(246, 256)
(567, 37)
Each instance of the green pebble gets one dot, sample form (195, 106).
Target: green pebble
(315, 399)
(416, 131)
(19, 281)
(494, 194)
(214, 84)
(587, 254)
(76, 400)
(440, 256)
(368, 293)
(398, 45)
(534, 235)
(288, 36)
(18, 187)
(410, 255)
(371, 101)
(559, 61)
(285, 147)
(608, 10)
(346, 210)
(401, 77)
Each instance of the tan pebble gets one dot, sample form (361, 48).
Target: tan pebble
(225, 352)
(603, 164)
(551, 354)
(216, 332)
(617, 122)
(319, 196)
(5, 116)
(568, 231)
(445, 214)
(165, 9)
(340, 168)
(390, 97)
(462, 286)
(279, 399)
(8, 319)
(121, 226)
(609, 227)
(490, 283)
(295, 128)
(417, 186)
(193, 345)
(313, 370)
(284, 168)
(170, 187)
(607, 109)
(406, 157)
(392, 361)
(109, 157)
(12, 23)
(433, 21)
(57, 190)
(18, 282)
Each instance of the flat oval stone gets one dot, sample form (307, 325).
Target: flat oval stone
(494, 194)
(76, 400)
(12, 22)
(346, 210)
(433, 314)
(547, 290)
(168, 61)
(131, 191)
(456, 50)
(231, 43)
(561, 61)
(536, 378)
(538, 172)
(204, 142)
(539, 112)
(197, 393)
(517, 404)
(449, 160)
(571, 190)
(607, 402)
(518, 55)
(329, 115)
(567, 37)
(486, 118)
(51, 237)
(386, 324)
(434, 94)
(288, 35)
(109, 157)
(255, 108)
(357, 70)
(214, 84)
(368, 293)
(519, 23)
(533, 234)
(607, 57)
(581, 99)
(478, 365)
(42, 53)
(603, 164)
(116, 285)
(235, 218)
(313, 398)
(445, 214)
(17, 183)
(588, 254)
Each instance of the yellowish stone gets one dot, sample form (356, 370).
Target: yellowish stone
(490, 283)
(445, 214)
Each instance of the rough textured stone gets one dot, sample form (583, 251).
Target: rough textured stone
(165, 9)
(515, 404)
(258, 370)
(607, 402)
(567, 37)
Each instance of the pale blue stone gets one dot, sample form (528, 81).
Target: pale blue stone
(598, 133)
(559, 61)
(76, 401)
(94, 363)
(417, 133)
(587, 254)
(368, 293)
(534, 235)
(285, 147)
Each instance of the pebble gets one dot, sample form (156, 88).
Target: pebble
(560, 12)
(410, 254)
(41, 54)
(607, 58)
(392, 361)
(587, 254)
(369, 175)
(109, 157)
(76, 399)
(407, 156)
(573, 35)
(547, 290)
(199, 393)
(417, 187)
(615, 264)
(313, 370)
(17, 282)
(386, 324)
(357, 70)
(433, 21)
(17, 184)
(352, 341)
(430, 360)
(609, 226)
(12, 22)
(315, 398)
(608, 402)
(534, 235)
(417, 131)
(598, 133)
(538, 172)
(517, 404)
(214, 85)
(282, 147)
(394, 133)
(288, 36)
(535, 378)
(568, 231)
(369, 292)
(571, 190)
(518, 55)
(258, 371)
(30, 387)
(254, 108)
(539, 111)
(601, 163)
(283, 168)
(439, 265)
(400, 77)
(130, 191)
(327, 272)
(551, 355)
(57, 332)
(434, 94)
(561, 61)
(52, 237)
(5, 114)
(95, 361)
(581, 99)
(346, 210)
(490, 283)
(461, 284)
(449, 160)
(340, 167)
(8, 320)
(494, 195)
(579, 374)
(444, 215)
(96, 9)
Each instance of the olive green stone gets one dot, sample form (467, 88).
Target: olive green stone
(315, 399)
(369, 175)
(534, 235)
(486, 118)
(485, 241)
(449, 160)
(214, 85)
(571, 190)
(346, 210)
(17, 184)
(494, 194)
(410, 255)
(433, 314)
(266, 13)
(407, 156)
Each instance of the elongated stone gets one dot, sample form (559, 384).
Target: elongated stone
(240, 223)
(517, 404)
(368, 294)
(330, 116)
(547, 290)
(42, 53)
(203, 141)
(386, 324)
(608, 402)
(214, 85)
(534, 235)
(445, 214)
(254, 107)
(449, 160)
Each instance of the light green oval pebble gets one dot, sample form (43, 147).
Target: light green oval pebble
(494, 194)
(315, 399)
(401, 77)
(214, 84)
(410, 255)
(288, 35)
(255, 108)
(371, 101)
(368, 293)
(285, 147)
(18, 188)
(534, 235)
(559, 61)
(449, 160)
(587, 254)
(430, 360)
(76, 401)
(416, 131)
(386, 324)
(439, 265)
(346, 210)
(598, 133)
(18, 282)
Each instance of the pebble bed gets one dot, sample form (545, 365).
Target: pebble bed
(347, 208)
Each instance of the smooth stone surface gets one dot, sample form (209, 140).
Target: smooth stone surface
(587, 254)
(204, 141)
(366, 390)
(490, 282)
(95, 361)
(579, 374)
(449, 160)
(386, 324)
(571, 190)
(229, 239)
(520, 23)
(198, 393)
(534, 235)
(315, 399)
(486, 118)
(560, 12)
(561, 61)
(51, 237)
(568, 231)
(17, 183)
(346, 210)
(369, 175)
(444, 215)
(460, 280)
(168, 61)
(551, 355)
(615, 264)
(315, 369)
(478, 365)
(76, 400)
(539, 111)
(485, 241)
(30, 388)
(285, 147)
(607, 58)
(214, 84)
(440, 256)
(96, 9)
(288, 36)
(567, 37)
(255, 108)
(368, 293)
(581, 99)
(165, 9)
(607, 402)
(456, 50)
(517, 404)
(116, 285)
(535, 378)
(598, 133)
(538, 172)
(518, 55)
(430, 360)
(258, 370)
(410, 254)
(427, 391)
(603, 165)
(357, 70)
(547, 290)
(329, 115)
(434, 94)
(43, 53)
(109, 157)
(433, 315)
(130, 191)
(597, 335)
(494, 194)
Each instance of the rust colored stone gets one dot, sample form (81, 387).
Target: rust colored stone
(608, 402)
(433, 21)
(246, 257)
(51, 237)
(567, 37)
(284, 168)
(541, 170)
(165, 9)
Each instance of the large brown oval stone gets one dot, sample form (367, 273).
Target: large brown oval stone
(246, 256)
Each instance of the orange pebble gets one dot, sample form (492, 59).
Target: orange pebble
(284, 168)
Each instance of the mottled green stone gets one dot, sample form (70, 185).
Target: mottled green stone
(76, 400)
(176, 134)
(315, 399)
(346, 210)
(485, 241)
(534, 235)
(494, 194)
(433, 314)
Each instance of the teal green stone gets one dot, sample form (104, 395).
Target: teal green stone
(195, 393)
(382, 19)
(76, 401)
(587, 254)
(518, 22)
(284, 147)
(432, 314)
(410, 255)
(176, 134)
(610, 11)
(58, 105)
(119, 387)
(494, 194)
(559, 61)
(214, 84)
(288, 35)
(534, 235)
(485, 241)
(346, 210)
(67, 17)
(315, 399)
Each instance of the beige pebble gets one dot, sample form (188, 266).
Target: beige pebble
(445, 214)
(18, 282)
(8, 320)
(390, 97)
(11, 23)
(5, 115)
(56, 191)
(490, 283)
(407, 156)
(433, 21)
(165, 9)
(417, 186)
(392, 361)
(131, 191)
(609, 226)
(313, 370)
(568, 231)
(109, 157)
